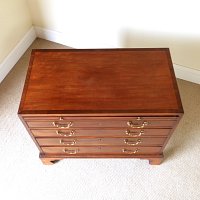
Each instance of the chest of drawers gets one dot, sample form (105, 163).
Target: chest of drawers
(100, 103)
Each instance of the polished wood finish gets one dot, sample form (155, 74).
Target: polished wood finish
(128, 141)
(100, 103)
(100, 81)
(106, 122)
(124, 150)
(103, 132)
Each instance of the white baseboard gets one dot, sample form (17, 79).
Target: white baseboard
(53, 36)
(12, 58)
(187, 74)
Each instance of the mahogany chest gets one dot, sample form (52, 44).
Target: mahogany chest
(100, 103)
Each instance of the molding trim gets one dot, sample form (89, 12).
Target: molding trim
(51, 35)
(188, 74)
(13, 57)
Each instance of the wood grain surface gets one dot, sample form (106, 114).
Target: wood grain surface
(100, 81)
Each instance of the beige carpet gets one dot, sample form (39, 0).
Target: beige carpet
(24, 177)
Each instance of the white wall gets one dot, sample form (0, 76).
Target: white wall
(15, 21)
(125, 23)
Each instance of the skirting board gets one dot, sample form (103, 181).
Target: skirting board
(13, 57)
(53, 36)
(188, 74)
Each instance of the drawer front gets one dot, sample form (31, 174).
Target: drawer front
(107, 123)
(101, 141)
(100, 132)
(102, 150)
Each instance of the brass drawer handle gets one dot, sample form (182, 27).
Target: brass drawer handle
(65, 134)
(73, 142)
(67, 125)
(130, 151)
(71, 151)
(135, 125)
(134, 133)
(131, 142)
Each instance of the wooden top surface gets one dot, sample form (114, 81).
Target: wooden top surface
(100, 81)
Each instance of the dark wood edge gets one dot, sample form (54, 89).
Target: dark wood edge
(52, 118)
(26, 83)
(141, 156)
(99, 136)
(29, 131)
(103, 112)
(104, 115)
(178, 98)
(100, 49)
(101, 145)
(179, 103)
(170, 133)
(102, 136)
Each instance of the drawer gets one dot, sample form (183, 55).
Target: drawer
(100, 132)
(100, 141)
(108, 123)
(101, 150)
